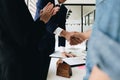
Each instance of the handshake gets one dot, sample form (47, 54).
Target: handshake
(48, 11)
(73, 38)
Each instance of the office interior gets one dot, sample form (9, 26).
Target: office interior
(80, 17)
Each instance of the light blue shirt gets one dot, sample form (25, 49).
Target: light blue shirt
(104, 44)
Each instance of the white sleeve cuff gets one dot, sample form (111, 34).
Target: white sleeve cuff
(58, 31)
(62, 49)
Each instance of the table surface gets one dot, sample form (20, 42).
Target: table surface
(77, 72)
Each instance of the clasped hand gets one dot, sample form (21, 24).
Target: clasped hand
(75, 38)
(47, 12)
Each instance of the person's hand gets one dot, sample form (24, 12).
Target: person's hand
(69, 35)
(77, 38)
(67, 55)
(66, 34)
(73, 38)
(56, 9)
(46, 13)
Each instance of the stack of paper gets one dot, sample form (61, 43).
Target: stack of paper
(80, 58)
(75, 61)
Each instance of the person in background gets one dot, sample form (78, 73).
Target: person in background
(55, 27)
(20, 58)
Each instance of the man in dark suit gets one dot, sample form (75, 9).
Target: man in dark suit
(55, 25)
(20, 58)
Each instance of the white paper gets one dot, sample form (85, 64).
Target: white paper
(75, 60)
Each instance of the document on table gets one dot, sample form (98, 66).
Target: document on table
(75, 61)
(57, 54)
(72, 61)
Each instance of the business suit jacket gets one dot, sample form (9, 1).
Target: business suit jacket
(47, 43)
(20, 58)
(56, 21)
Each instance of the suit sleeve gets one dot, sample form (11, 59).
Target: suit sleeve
(51, 25)
(19, 24)
(57, 20)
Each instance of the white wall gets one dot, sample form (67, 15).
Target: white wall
(76, 12)
(74, 21)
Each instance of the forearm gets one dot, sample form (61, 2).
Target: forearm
(64, 33)
(87, 34)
